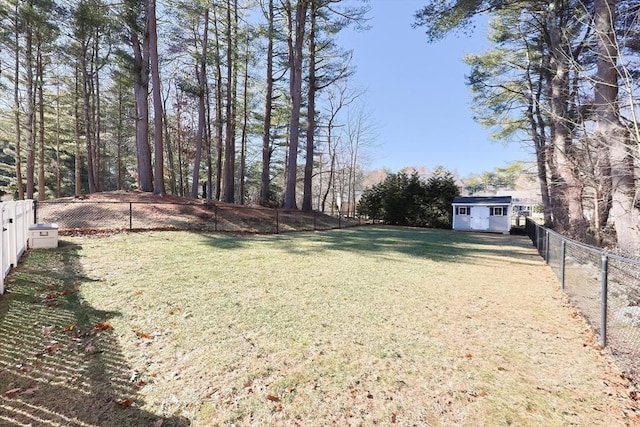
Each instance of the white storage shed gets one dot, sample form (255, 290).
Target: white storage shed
(490, 214)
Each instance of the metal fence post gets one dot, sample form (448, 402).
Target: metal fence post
(215, 217)
(277, 222)
(603, 309)
(563, 249)
(531, 231)
(546, 246)
(130, 216)
(315, 219)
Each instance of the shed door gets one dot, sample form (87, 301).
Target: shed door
(480, 218)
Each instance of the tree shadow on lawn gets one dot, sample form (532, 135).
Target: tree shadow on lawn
(445, 246)
(60, 363)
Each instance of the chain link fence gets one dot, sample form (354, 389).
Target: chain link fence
(86, 216)
(604, 287)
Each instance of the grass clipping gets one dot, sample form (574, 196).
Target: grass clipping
(365, 326)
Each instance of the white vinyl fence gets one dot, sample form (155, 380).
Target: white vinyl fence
(16, 217)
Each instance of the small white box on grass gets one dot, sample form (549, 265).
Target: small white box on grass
(43, 236)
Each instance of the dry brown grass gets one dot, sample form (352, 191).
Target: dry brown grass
(364, 326)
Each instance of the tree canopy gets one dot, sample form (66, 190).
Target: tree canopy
(558, 77)
(196, 99)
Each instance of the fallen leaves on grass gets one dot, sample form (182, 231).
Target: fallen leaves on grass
(175, 310)
(475, 393)
(124, 403)
(24, 368)
(52, 295)
(103, 232)
(53, 348)
(211, 392)
(272, 398)
(144, 335)
(72, 379)
(103, 326)
(15, 392)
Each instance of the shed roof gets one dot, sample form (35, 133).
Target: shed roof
(495, 200)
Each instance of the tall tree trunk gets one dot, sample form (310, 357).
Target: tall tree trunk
(208, 140)
(311, 113)
(245, 124)
(295, 90)
(201, 70)
(41, 127)
(158, 172)
(265, 180)
(218, 96)
(58, 131)
(16, 104)
(625, 208)
(537, 130)
(76, 132)
(119, 137)
(234, 91)
(567, 189)
(88, 120)
(143, 150)
(182, 176)
(353, 175)
(168, 146)
(96, 116)
(331, 179)
(141, 94)
(228, 178)
(332, 148)
(30, 113)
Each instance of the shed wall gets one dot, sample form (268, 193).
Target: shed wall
(493, 224)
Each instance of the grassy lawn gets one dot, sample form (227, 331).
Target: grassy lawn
(373, 325)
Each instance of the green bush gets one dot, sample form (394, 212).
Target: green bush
(403, 199)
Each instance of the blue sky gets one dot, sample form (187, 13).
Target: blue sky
(417, 95)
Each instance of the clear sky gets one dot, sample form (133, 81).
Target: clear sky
(417, 95)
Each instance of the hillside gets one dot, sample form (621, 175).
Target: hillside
(134, 210)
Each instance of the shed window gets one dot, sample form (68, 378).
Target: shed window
(463, 210)
(498, 211)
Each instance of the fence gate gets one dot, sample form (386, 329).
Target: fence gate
(15, 218)
(5, 260)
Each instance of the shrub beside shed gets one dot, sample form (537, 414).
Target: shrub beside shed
(490, 214)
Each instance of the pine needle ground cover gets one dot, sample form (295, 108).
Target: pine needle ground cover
(374, 325)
